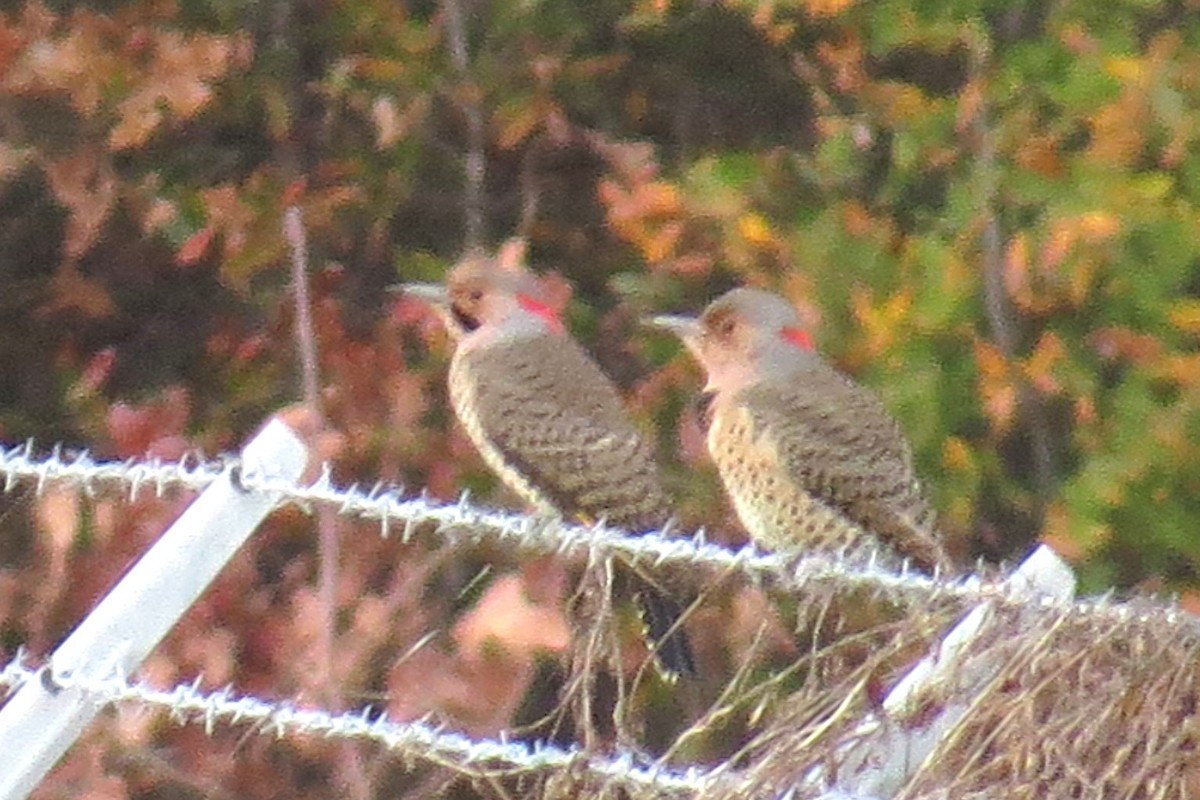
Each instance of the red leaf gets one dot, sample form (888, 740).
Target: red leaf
(293, 193)
(195, 247)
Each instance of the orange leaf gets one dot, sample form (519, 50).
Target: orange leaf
(970, 102)
(1116, 142)
(178, 80)
(755, 229)
(85, 184)
(856, 219)
(1039, 367)
(517, 121)
(1128, 69)
(1185, 316)
(1085, 411)
(71, 290)
(657, 246)
(293, 193)
(1098, 226)
(845, 57)
(1056, 534)
(1182, 369)
(658, 197)
(1057, 247)
(996, 385)
(826, 8)
(1016, 270)
(1119, 342)
(195, 247)
(882, 322)
(1040, 154)
(77, 64)
(957, 456)
(11, 44)
(903, 102)
(140, 116)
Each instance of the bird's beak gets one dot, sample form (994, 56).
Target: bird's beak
(686, 328)
(437, 298)
(432, 293)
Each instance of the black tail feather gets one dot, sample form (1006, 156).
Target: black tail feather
(673, 649)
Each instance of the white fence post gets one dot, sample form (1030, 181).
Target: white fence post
(884, 754)
(42, 720)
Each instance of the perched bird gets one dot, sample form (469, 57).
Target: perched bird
(809, 458)
(549, 423)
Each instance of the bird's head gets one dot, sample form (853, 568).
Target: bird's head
(494, 293)
(742, 336)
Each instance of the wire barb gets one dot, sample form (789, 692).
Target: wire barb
(460, 520)
(188, 704)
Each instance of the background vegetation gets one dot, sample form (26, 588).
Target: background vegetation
(987, 210)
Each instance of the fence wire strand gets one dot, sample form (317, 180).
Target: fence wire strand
(463, 521)
(188, 704)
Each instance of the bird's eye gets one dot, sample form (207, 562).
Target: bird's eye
(475, 295)
(725, 327)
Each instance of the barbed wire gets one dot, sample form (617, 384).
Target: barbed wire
(463, 521)
(80, 469)
(420, 741)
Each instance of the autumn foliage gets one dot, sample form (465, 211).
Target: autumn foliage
(988, 212)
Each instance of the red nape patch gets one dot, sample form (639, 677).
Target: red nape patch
(798, 337)
(544, 311)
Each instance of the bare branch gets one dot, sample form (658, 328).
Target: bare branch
(999, 313)
(470, 103)
(329, 549)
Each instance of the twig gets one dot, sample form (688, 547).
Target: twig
(995, 297)
(469, 102)
(306, 340)
(531, 190)
(306, 337)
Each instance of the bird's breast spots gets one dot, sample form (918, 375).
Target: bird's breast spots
(704, 409)
(541, 310)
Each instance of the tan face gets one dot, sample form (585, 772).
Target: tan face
(725, 339)
(479, 292)
(743, 337)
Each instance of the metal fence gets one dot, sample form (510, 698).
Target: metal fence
(52, 703)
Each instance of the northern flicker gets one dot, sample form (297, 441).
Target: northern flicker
(549, 423)
(809, 458)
